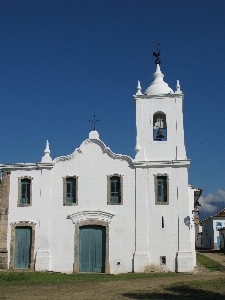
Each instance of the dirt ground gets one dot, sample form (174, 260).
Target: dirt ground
(113, 290)
(98, 290)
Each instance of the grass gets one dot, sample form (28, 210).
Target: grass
(21, 278)
(12, 278)
(208, 289)
(210, 264)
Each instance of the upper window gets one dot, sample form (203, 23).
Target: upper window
(218, 225)
(24, 191)
(159, 127)
(70, 190)
(161, 188)
(115, 189)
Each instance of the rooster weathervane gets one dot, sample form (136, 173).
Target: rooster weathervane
(156, 54)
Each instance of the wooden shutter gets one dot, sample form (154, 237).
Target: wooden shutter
(70, 190)
(25, 191)
(162, 188)
(115, 189)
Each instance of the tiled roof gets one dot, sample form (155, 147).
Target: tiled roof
(220, 213)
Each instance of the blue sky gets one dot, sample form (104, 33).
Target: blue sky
(64, 61)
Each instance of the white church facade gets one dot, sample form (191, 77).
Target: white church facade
(97, 211)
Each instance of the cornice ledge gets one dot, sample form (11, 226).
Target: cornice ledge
(31, 166)
(169, 163)
(91, 215)
(23, 222)
(170, 95)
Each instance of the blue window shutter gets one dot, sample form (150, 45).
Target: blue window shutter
(70, 190)
(115, 189)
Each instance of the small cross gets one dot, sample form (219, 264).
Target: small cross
(94, 121)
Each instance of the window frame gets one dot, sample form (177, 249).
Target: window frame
(20, 185)
(65, 203)
(109, 202)
(157, 202)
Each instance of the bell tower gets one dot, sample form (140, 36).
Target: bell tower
(163, 205)
(159, 121)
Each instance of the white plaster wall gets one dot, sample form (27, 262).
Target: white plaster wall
(33, 213)
(54, 230)
(173, 148)
(92, 167)
(208, 232)
(154, 241)
(193, 234)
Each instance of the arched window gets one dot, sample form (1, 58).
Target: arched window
(159, 126)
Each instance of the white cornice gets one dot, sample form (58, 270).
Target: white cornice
(91, 215)
(23, 222)
(160, 96)
(26, 166)
(162, 164)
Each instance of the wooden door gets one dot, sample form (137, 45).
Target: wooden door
(92, 244)
(22, 253)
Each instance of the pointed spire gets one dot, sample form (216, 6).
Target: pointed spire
(139, 89)
(46, 158)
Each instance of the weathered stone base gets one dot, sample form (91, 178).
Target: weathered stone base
(185, 262)
(42, 261)
(3, 259)
(141, 260)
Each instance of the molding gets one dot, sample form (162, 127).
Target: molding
(160, 96)
(162, 164)
(91, 215)
(101, 145)
(26, 166)
(23, 222)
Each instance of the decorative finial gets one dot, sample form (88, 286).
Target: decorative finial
(156, 54)
(94, 121)
(139, 89)
(46, 158)
(178, 87)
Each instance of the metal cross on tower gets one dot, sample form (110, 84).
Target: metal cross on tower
(94, 121)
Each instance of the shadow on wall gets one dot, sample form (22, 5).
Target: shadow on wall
(175, 292)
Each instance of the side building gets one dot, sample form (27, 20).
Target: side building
(211, 230)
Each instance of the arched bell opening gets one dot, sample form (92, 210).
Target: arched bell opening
(159, 126)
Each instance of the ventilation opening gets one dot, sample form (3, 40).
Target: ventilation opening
(162, 260)
(162, 222)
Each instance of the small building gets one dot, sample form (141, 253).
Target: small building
(97, 211)
(211, 230)
(222, 238)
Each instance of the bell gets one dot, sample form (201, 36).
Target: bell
(160, 134)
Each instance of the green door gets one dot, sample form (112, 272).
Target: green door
(92, 244)
(22, 247)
